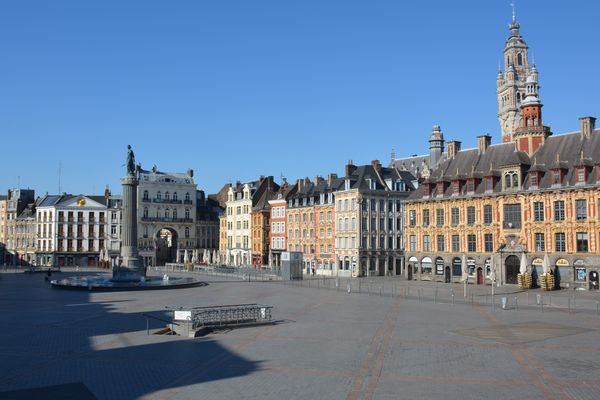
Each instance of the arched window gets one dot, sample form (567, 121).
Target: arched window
(187, 232)
(167, 196)
(174, 213)
(187, 213)
(158, 195)
(174, 195)
(145, 195)
(158, 213)
(145, 212)
(507, 181)
(166, 213)
(519, 59)
(353, 223)
(187, 197)
(515, 180)
(346, 225)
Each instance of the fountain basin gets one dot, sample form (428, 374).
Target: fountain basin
(100, 282)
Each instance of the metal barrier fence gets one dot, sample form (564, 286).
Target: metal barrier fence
(230, 315)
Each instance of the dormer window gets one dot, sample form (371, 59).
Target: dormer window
(471, 185)
(511, 180)
(440, 189)
(489, 184)
(556, 176)
(426, 189)
(455, 187)
(581, 175)
(322, 198)
(533, 179)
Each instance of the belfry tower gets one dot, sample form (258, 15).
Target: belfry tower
(511, 84)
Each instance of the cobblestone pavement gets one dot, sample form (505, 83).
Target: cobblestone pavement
(327, 343)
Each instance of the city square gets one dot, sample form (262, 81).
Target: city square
(325, 343)
(299, 200)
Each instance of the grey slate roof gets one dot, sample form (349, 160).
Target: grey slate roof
(566, 151)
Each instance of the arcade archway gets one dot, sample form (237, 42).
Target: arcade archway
(166, 246)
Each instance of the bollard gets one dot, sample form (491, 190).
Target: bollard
(504, 302)
(349, 288)
(538, 299)
(452, 298)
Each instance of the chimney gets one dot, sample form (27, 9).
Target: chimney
(588, 124)
(300, 183)
(317, 180)
(106, 192)
(306, 181)
(483, 142)
(453, 147)
(350, 168)
(330, 178)
(376, 165)
(190, 173)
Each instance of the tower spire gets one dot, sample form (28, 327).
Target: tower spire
(512, 4)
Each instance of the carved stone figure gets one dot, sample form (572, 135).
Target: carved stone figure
(130, 163)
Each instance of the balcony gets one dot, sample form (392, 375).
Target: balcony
(166, 201)
(187, 202)
(511, 225)
(160, 219)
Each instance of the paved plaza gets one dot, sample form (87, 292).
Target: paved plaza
(327, 343)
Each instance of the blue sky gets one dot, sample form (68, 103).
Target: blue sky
(238, 89)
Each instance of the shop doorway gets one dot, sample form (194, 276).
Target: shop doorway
(511, 265)
(480, 276)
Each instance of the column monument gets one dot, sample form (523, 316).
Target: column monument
(131, 267)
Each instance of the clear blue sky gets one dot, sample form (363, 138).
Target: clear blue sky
(238, 89)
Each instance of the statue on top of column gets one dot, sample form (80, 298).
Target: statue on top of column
(130, 163)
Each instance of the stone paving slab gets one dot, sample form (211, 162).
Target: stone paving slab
(327, 344)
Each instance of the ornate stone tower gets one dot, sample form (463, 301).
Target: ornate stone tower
(532, 133)
(511, 83)
(436, 146)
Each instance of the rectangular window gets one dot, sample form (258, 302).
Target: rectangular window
(412, 216)
(540, 244)
(581, 209)
(471, 185)
(487, 214)
(470, 215)
(413, 243)
(559, 210)
(538, 211)
(439, 217)
(426, 243)
(489, 184)
(488, 240)
(559, 242)
(581, 175)
(440, 243)
(455, 243)
(455, 216)
(512, 216)
(556, 177)
(582, 242)
(471, 243)
(425, 217)
(455, 187)
(533, 179)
